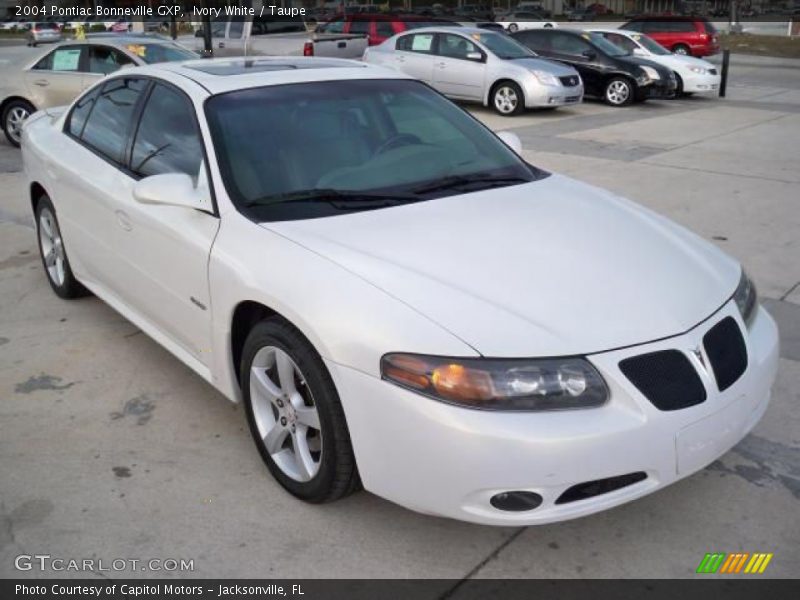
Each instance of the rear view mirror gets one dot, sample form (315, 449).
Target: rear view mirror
(476, 56)
(511, 140)
(170, 189)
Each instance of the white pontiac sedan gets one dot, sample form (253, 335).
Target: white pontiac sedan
(693, 75)
(399, 300)
(476, 65)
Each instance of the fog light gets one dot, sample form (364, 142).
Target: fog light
(516, 501)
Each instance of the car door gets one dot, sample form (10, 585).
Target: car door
(97, 131)
(459, 69)
(576, 51)
(227, 37)
(164, 249)
(57, 78)
(414, 55)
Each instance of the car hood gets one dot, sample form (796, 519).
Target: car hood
(663, 71)
(541, 64)
(553, 267)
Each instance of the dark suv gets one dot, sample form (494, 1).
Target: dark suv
(608, 71)
(683, 35)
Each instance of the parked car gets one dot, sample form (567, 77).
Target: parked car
(581, 14)
(482, 12)
(693, 75)
(58, 76)
(517, 20)
(269, 36)
(608, 72)
(682, 35)
(480, 66)
(43, 33)
(379, 28)
(396, 297)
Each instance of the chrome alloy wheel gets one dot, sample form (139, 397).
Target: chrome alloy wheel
(14, 120)
(285, 414)
(52, 247)
(618, 92)
(505, 99)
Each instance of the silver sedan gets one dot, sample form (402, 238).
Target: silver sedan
(476, 65)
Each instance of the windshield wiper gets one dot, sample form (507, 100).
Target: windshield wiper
(459, 181)
(345, 199)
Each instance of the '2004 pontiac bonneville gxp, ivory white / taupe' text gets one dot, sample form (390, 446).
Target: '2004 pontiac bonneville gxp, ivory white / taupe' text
(400, 301)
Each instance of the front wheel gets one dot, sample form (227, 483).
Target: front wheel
(295, 415)
(508, 99)
(619, 92)
(13, 117)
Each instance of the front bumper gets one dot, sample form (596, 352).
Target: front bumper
(449, 461)
(701, 84)
(658, 89)
(541, 96)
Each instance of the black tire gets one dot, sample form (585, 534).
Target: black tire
(8, 111)
(682, 49)
(679, 88)
(513, 89)
(70, 287)
(513, 27)
(338, 474)
(619, 91)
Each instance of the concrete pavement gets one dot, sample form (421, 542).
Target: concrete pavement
(109, 447)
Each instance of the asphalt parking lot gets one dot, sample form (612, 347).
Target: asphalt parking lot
(111, 448)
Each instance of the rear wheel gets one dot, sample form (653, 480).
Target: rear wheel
(513, 27)
(295, 415)
(54, 254)
(681, 49)
(13, 117)
(619, 92)
(508, 99)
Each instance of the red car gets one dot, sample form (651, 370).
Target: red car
(378, 27)
(683, 35)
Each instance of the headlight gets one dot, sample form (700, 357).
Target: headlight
(698, 70)
(545, 78)
(651, 72)
(746, 298)
(499, 384)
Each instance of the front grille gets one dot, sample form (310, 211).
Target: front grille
(570, 80)
(725, 347)
(712, 71)
(666, 378)
(589, 489)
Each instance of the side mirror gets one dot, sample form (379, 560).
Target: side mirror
(475, 56)
(170, 189)
(589, 54)
(639, 52)
(511, 139)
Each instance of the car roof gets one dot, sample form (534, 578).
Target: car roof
(448, 29)
(220, 75)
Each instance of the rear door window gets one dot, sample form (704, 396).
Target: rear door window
(109, 123)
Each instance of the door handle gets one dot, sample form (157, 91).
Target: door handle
(401, 59)
(441, 65)
(123, 220)
(221, 45)
(41, 82)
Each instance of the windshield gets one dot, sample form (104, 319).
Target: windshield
(503, 46)
(158, 53)
(322, 148)
(605, 46)
(651, 45)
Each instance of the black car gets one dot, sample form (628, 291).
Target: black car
(608, 71)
